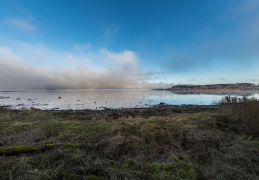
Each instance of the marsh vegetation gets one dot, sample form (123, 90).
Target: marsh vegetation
(165, 142)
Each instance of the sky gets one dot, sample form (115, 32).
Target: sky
(111, 44)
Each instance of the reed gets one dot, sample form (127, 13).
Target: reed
(242, 110)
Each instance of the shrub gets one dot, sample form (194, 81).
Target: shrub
(244, 110)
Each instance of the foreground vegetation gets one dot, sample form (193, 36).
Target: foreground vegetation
(153, 143)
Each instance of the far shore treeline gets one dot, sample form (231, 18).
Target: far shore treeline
(215, 87)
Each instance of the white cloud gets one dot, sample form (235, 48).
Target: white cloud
(8, 54)
(111, 31)
(231, 52)
(68, 70)
(20, 23)
(247, 7)
(122, 58)
(83, 47)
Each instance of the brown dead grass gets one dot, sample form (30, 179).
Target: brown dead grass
(201, 145)
(243, 111)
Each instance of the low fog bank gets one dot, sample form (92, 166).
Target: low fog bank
(114, 71)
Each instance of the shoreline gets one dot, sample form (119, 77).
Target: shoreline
(161, 106)
(114, 114)
(210, 90)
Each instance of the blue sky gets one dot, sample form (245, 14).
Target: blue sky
(127, 44)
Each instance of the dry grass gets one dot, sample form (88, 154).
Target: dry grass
(244, 111)
(175, 146)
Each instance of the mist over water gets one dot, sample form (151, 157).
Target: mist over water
(100, 99)
(104, 70)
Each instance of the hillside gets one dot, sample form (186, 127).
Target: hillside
(217, 87)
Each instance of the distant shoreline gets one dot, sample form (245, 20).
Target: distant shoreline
(208, 90)
(213, 87)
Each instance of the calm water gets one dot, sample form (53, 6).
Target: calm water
(98, 99)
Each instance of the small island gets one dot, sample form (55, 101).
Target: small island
(215, 87)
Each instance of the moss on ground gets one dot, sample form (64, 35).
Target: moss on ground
(29, 149)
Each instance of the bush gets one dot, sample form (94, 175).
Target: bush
(243, 110)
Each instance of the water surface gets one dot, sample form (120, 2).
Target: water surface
(99, 99)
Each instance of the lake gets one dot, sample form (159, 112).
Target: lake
(100, 99)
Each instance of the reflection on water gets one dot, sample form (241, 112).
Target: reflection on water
(98, 99)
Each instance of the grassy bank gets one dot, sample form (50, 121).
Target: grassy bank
(153, 143)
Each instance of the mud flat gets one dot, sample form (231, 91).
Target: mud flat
(160, 142)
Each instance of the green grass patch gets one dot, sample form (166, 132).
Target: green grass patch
(178, 170)
(51, 128)
(88, 129)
